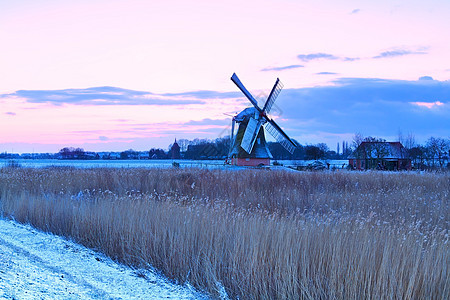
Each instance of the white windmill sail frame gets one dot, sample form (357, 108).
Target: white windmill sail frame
(250, 134)
(273, 96)
(277, 133)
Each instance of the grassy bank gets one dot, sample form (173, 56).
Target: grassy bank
(259, 234)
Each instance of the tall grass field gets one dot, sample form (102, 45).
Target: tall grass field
(252, 234)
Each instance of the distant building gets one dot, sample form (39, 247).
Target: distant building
(175, 151)
(380, 155)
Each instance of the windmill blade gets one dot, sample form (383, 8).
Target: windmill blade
(250, 134)
(239, 84)
(280, 136)
(273, 96)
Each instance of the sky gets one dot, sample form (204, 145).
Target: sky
(114, 75)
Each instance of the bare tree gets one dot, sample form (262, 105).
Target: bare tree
(183, 143)
(418, 156)
(437, 149)
(323, 147)
(313, 152)
(408, 141)
(358, 138)
(380, 149)
(401, 138)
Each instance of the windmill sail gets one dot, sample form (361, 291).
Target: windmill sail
(239, 84)
(250, 134)
(280, 136)
(273, 96)
(250, 122)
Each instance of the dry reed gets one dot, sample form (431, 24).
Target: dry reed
(258, 234)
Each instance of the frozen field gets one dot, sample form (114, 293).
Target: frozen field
(152, 163)
(37, 265)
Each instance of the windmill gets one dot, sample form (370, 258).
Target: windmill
(249, 146)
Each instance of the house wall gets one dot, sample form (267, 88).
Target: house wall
(392, 164)
(250, 162)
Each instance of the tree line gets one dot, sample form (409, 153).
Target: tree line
(433, 153)
(199, 149)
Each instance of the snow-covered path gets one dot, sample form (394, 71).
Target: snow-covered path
(37, 265)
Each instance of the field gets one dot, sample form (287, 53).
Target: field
(252, 234)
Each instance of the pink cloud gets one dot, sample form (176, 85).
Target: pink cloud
(428, 104)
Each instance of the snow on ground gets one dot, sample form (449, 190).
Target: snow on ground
(37, 265)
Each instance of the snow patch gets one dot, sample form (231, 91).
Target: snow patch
(39, 265)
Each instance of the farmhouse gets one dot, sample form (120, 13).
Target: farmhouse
(380, 155)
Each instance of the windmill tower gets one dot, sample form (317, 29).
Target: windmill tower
(249, 146)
